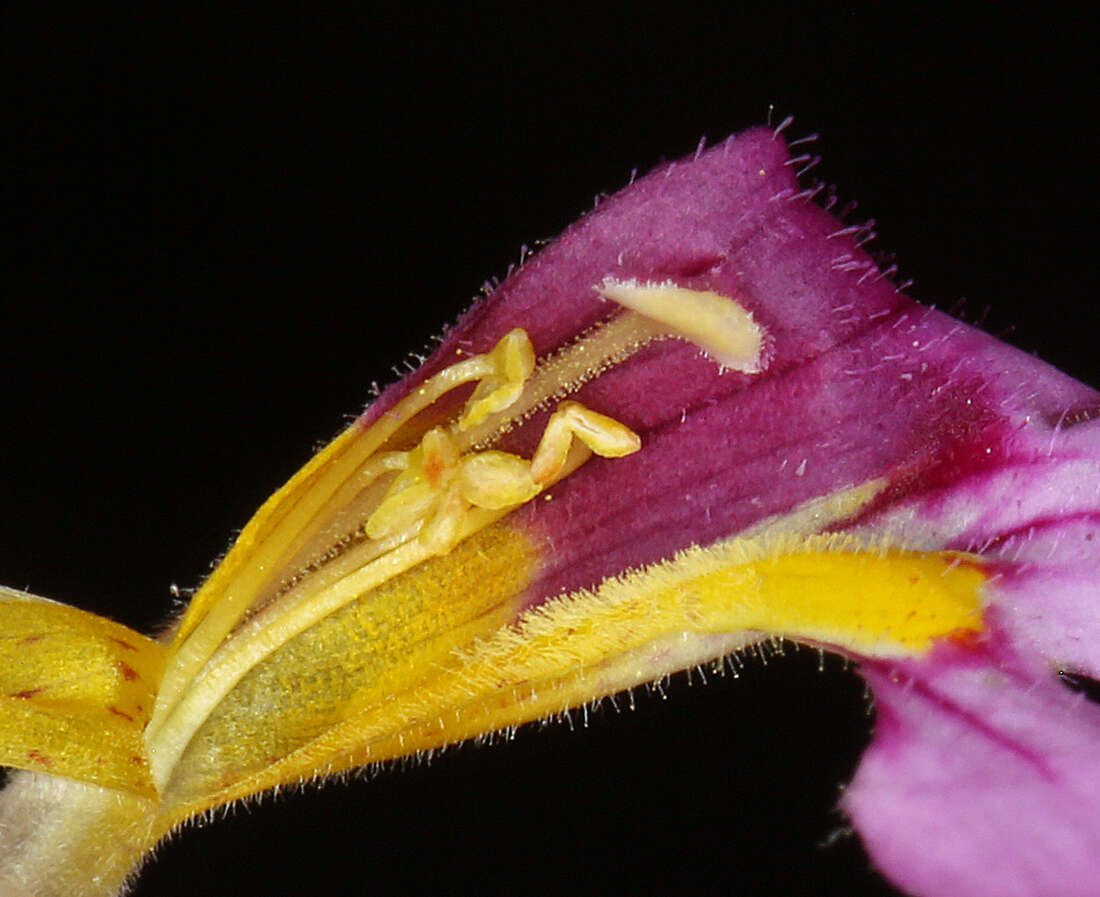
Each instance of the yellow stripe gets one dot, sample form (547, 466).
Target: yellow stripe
(448, 669)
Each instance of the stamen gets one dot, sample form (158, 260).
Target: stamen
(315, 551)
(496, 480)
(563, 373)
(292, 528)
(602, 434)
(718, 324)
(437, 485)
(512, 361)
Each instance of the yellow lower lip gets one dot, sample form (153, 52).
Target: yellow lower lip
(441, 654)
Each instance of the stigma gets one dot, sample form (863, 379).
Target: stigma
(720, 325)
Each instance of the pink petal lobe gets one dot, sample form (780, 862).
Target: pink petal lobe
(982, 779)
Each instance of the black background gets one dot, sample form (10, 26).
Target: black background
(226, 224)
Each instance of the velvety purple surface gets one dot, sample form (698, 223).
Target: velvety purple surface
(982, 778)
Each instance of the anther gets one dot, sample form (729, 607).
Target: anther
(416, 491)
(605, 436)
(508, 366)
(496, 480)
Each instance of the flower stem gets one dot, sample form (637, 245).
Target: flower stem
(64, 838)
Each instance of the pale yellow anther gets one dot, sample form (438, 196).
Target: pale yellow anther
(603, 435)
(425, 473)
(718, 324)
(401, 508)
(496, 480)
(437, 486)
(509, 363)
(441, 532)
(438, 457)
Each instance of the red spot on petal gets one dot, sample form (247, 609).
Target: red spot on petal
(967, 639)
(967, 563)
(127, 671)
(28, 693)
(125, 644)
(121, 713)
(30, 639)
(40, 758)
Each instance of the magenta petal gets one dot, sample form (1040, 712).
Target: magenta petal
(862, 382)
(983, 779)
(984, 774)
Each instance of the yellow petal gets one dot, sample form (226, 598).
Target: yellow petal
(374, 652)
(76, 691)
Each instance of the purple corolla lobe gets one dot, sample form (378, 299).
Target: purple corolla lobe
(983, 774)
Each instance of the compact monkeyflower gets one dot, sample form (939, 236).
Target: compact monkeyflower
(702, 418)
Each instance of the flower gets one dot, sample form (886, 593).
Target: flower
(701, 418)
